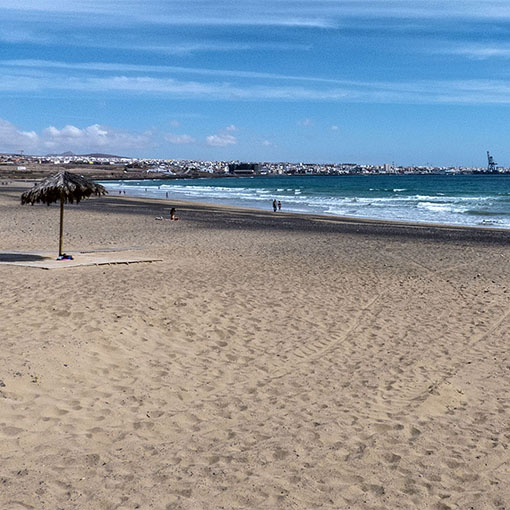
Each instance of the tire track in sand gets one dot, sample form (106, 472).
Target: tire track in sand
(312, 354)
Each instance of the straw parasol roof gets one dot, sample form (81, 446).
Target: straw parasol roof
(62, 187)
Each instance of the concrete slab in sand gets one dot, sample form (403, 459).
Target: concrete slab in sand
(47, 259)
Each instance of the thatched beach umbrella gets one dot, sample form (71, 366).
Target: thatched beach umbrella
(64, 187)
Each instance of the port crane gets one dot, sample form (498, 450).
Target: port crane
(491, 166)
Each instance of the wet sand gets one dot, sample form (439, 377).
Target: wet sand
(269, 361)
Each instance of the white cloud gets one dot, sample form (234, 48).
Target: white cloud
(93, 137)
(140, 26)
(478, 52)
(175, 123)
(13, 139)
(253, 21)
(156, 12)
(221, 140)
(179, 139)
(267, 143)
(89, 139)
(484, 91)
(296, 13)
(305, 122)
(194, 47)
(72, 133)
(334, 128)
(147, 69)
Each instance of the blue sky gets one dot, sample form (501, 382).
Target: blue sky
(369, 81)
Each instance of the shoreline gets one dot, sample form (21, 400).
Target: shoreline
(444, 231)
(362, 202)
(361, 219)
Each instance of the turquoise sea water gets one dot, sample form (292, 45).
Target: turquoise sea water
(477, 200)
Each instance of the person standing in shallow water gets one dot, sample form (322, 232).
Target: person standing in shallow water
(275, 207)
(279, 205)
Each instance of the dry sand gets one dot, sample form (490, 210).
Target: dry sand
(268, 362)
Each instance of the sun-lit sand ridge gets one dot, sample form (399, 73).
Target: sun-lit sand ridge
(269, 361)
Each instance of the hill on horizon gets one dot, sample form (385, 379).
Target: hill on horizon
(91, 155)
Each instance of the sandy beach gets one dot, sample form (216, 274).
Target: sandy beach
(268, 361)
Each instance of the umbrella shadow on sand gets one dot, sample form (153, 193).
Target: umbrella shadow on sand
(21, 257)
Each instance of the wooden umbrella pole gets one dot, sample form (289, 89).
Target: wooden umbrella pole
(61, 240)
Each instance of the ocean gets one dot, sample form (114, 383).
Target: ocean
(475, 200)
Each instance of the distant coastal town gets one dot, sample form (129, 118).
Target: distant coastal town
(107, 166)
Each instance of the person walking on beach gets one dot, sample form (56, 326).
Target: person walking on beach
(275, 207)
(279, 205)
